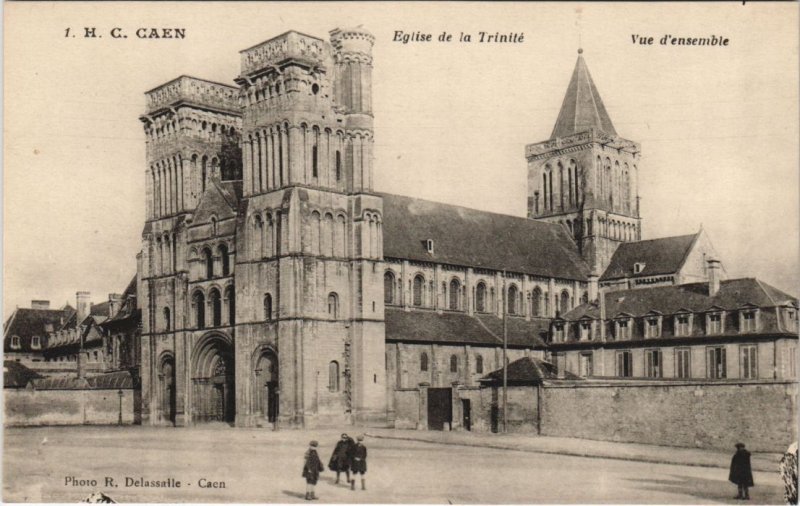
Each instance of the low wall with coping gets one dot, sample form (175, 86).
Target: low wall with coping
(28, 407)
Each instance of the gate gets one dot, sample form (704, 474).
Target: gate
(440, 408)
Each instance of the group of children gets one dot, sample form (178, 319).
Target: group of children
(347, 456)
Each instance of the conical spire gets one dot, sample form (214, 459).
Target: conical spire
(582, 108)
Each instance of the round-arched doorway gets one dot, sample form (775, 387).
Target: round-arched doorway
(166, 390)
(266, 395)
(213, 392)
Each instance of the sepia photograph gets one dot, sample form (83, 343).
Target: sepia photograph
(504, 253)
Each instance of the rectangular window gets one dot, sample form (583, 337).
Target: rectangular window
(791, 319)
(623, 331)
(682, 325)
(558, 330)
(652, 364)
(624, 364)
(749, 361)
(716, 366)
(651, 327)
(587, 368)
(714, 323)
(586, 331)
(35, 342)
(790, 362)
(683, 364)
(748, 321)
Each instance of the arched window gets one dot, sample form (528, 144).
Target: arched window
(455, 291)
(536, 302)
(199, 306)
(209, 261)
(585, 298)
(419, 284)
(204, 174)
(268, 307)
(230, 297)
(564, 302)
(315, 232)
(512, 299)
(333, 305)
(388, 287)
(479, 364)
(215, 300)
(423, 361)
(167, 320)
(480, 297)
(338, 165)
(213, 226)
(333, 376)
(226, 262)
(453, 363)
(314, 169)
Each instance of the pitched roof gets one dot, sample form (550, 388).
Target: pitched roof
(16, 375)
(220, 199)
(468, 237)
(26, 323)
(112, 381)
(459, 328)
(582, 108)
(527, 370)
(733, 294)
(664, 255)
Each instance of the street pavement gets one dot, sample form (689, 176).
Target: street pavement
(258, 466)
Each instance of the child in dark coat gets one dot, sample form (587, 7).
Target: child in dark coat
(311, 469)
(741, 474)
(359, 463)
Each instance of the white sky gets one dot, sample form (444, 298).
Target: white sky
(718, 126)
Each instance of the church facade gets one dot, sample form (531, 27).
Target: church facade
(278, 288)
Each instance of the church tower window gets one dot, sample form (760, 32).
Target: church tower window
(333, 376)
(333, 305)
(215, 301)
(268, 307)
(388, 287)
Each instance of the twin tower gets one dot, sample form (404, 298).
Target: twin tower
(259, 272)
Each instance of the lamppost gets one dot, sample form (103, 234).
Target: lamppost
(120, 393)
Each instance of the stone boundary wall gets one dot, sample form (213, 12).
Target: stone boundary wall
(698, 414)
(27, 407)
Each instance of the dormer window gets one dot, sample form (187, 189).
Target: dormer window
(638, 267)
(790, 316)
(429, 246)
(714, 323)
(652, 326)
(585, 329)
(36, 342)
(558, 332)
(15, 344)
(683, 324)
(623, 329)
(748, 321)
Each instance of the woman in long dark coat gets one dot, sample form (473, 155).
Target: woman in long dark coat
(342, 457)
(311, 469)
(741, 473)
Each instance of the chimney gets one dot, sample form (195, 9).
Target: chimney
(40, 304)
(114, 303)
(82, 306)
(713, 276)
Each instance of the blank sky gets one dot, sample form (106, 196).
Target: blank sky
(718, 126)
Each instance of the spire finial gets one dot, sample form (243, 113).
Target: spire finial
(580, 50)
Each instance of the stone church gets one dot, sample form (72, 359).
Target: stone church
(278, 288)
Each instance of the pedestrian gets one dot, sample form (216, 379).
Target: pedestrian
(311, 469)
(341, 457)
(359, 463)
(789, 474)
(741, 474)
